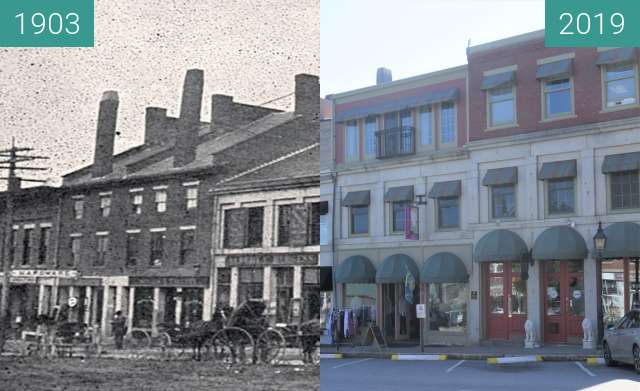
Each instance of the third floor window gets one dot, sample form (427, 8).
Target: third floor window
(370, 129)
(352, 141)
(27, 242)
(447, 123)
(501, 106)
(136, 203)
(78, 209)
(620, 85)
(557, 97)
(105, 205)
(192, 197)
(161, 201)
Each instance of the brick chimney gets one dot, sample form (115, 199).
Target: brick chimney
(189, 121)
(307, 96)
(155, 126)
(221, 112)
(383, 75)
(105, 135)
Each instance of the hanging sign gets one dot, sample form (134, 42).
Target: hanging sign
(411, 223)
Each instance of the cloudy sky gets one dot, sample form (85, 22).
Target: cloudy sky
(250, 49)
(411, 37)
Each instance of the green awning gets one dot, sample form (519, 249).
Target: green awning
(559, 243)
(356, 198)
(555, 69)
(445, 189)
(356, 269)
(621, 162)
(399, 194)
(444, 267)
(498, 80)
(500, 245)
(556, 170)
(616, 56)
(623, 241)
(501, 176)
(394, 269)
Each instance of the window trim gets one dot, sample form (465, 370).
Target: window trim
(543, 100)
(355, 158)
(455, 126)
(350, 228)
(437, 215)
(546, 200)
(610, 194)
(512, 124)
(603, 89)
(515, 196)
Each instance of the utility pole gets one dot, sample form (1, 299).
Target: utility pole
(11, 159)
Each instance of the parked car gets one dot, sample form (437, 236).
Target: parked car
(621, 341)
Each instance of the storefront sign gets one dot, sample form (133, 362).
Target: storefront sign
(22, 280)
(421, 311)
(35, 273)
(411, 223)
(169, 281)
(272, 260)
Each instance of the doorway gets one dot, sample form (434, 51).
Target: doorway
(506, 293)
(563, 301)
(399, 316)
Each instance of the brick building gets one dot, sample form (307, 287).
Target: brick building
(483, 185)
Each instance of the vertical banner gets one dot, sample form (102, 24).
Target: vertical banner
(411, 223)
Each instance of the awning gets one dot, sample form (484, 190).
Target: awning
(555, 69)
(324, 207)
(559, 243)
(399, 194)
(445, 189)
(444, 268)
(356, 198)
(623, 241)
(397, 104)
(616, 56)
(622, 162)
(500, 245)
(394, 269)
(498, 80)
(501, 176)
(356, 269)
(554, 170)
(326, 279)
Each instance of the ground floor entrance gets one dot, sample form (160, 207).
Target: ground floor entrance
(399, 314)
(564, 301)
(506, 306)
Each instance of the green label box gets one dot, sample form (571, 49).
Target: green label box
(592, 23)
(46, 23)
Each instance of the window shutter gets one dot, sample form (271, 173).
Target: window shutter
(298, 228)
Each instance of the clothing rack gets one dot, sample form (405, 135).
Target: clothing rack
(343, 327)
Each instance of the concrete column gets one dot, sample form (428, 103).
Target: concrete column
(535, 299)
(268, 236)
(591, 293)
(105, 324)
(94, 306)
(233, 294)
(158, 309)
(41, 298)
(87, 308)
(118, 303)
(297, 281)
(54, 292)
(74, 314)
(475, 315)
(132, 303)
(179, 301)
(207, 300)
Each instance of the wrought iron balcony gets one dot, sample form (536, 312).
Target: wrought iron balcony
(395, 142)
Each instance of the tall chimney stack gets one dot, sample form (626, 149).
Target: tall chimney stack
(189, 121)
(307, 96)
(155, 125)
(105, 135)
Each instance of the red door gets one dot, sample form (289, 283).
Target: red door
(563, 301)
(506, 293)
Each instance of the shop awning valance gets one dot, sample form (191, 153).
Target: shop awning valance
(444, 267)
(396, 104)
(501, 176)
(622, 162)
(399, 194)
(500, 245)
(326, 278)
(616, 56)
(498, 80)
(623, 241)
(555, 170)
(356, 198)
(446, 189)
(559, 243)
(356, 269)
(394, 269)
(555, 69)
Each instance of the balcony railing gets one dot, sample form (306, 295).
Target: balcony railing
(395, 142)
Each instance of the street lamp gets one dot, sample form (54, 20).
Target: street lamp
(599, 241)
(599, 244)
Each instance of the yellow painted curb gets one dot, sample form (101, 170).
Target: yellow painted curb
(331, 355)
(443, 357)
(538, 358)
(595, 360)
(394, 357)
(492, 360)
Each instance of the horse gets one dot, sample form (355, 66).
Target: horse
(310, 336)
(199, 332)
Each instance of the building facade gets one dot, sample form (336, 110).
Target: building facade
(477, 191)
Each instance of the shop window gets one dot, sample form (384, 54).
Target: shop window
(157, 248)
(192, 197)
(76, 245)
(352, 145)
(187, 246)
(359, 220)
(27, 242)
(620, 85)
(448, 212)
(560, 196)
(370, 129)
(243, 227)
(361, 299)
(102, 251)
(283, 290)
(625, 190)
(447, 123)
(43, 250)
(143, 308)
(133, 249)
(136, 203)
(503, 202)
(105, 205)
(78, 209)
(557, 97)
(501, 106)
(161, 201)
(310, 293)
(617, 277)
(448, 307)
(223, 287)
(250, 285)
(191, 305)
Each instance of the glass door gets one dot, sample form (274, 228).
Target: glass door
(563, 301)
(506, 292)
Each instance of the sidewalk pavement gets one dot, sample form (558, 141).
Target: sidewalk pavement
(473, 352)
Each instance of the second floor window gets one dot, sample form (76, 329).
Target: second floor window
(370, 129)
(425, 119)
(161, 201)
(105, 206)
(78, 209)
(157, 248)
(352, 138)
(76, 245)
(557, 97)
(192, 197)
(14, 245)
(187, 246)
(292, 225)
(43, 251)
(102, 251)
(620, 85)
(136, 203)
(448, 212)
(243, 227)
(503, 201)
(447, 123)
(501, 106)
(560, 196)
(359, 220)
(314, 224)
(27, 242)
(133, 249)
(397, 216)
(625, 190)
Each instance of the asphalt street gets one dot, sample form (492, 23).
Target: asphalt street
(473, 375)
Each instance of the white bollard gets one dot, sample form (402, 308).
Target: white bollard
(587, 330)
(530, 340)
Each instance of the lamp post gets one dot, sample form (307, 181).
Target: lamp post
(599, 244)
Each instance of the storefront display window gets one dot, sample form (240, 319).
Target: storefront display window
(361, 299)
(617, 296)
(448, 307)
